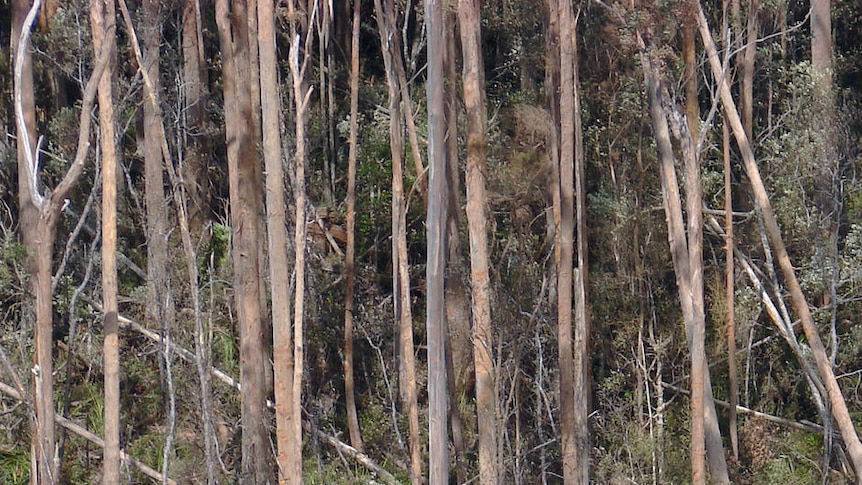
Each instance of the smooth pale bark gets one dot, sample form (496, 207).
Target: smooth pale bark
(350, 250)
(276, 216)
(400, 268)
(694, 220)
(477, 219)
(438, 459)
(581, 334)
(245, 203)
(102, 20)
(679, 253)
(394, 44)
(799, 303)
(694, 204)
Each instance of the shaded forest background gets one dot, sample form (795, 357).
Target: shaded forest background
(805, 134)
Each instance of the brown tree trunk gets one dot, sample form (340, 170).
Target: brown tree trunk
(438, 460)
(245, 203)
(350, 251)
(102, 21)
(483, 343)
(691, 298)
(679, 252)
(194, 94)
(581, 336)
(746, 68)
(289, 451)
(821, 40)
(800, 305)
(573, 468)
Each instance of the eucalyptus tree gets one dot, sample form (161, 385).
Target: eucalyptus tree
(245, 213)
(40, 213)
(103, 25)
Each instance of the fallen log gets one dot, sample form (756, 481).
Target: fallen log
(89, 436)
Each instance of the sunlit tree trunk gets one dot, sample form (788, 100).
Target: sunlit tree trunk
(245, 204)
(821, 39)
(350, 251)
(686, 252)
(483, 342)
(276, 215)
(102, 20)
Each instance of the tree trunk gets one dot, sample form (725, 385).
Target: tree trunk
(460, 369)
(483, 343)
(102, 21)
(245, 203)
(821, 40)
(400, 266)
(730, 318)
(438, 460)
(161, 304)
(42, 429)
(582, 369)
(350, 252)
(298, 66)
(800, 305)
(194, 124)
(746, 68)
(574, 470)
(289, 451)
(690, 297)
(44, 468)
